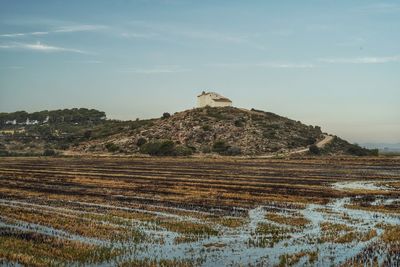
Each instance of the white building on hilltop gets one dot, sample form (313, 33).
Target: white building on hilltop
(212, 99)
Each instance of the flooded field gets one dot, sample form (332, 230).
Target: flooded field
(199, 212)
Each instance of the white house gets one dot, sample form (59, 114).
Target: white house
(212, 99)
(31, 122)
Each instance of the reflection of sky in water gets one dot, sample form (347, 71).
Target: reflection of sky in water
(236, 249)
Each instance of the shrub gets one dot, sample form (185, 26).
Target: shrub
(141, 141)
(270, 134)
(374, 152)
(49, 152)
(182, 151)
(165, 148)
(356, 150)
(165, 115)
(111, 147)
(311, 140)
(233, 151)
(158, 148)
(220, 146)
(216, 113)
(206, 149)
(239, 123)
(315, 150)
(4, 153)
(206, 127)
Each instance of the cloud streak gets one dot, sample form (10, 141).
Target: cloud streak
(65, 29)
(156, 70)
(165, 32)
(274, 65)
(40, 47)
(361, 60)
(381, 8)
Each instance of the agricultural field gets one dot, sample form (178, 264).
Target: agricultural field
(120, 211)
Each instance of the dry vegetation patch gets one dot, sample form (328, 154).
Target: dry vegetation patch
(295, 221)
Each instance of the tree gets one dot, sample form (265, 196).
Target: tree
(87, 134)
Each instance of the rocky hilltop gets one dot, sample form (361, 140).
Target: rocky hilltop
(226, 131)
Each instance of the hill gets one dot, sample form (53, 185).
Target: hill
(226, 131)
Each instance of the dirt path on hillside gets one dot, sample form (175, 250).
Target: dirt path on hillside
(320, 144)
(327, 139)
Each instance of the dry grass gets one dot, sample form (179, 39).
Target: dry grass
(295, 221)
(32, 249)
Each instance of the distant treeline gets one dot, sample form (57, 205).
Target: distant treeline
(74, 115)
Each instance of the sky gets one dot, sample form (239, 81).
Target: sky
(330, 63)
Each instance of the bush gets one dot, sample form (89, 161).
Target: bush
(158, 148)
(111, 147)
(311, 140)
(219, 146)
(165, 148)
(206, 149)
(270, 134)
(206, 127)
(233, 151)
(4, 153)
(222, 148)
(356, 150)
(141, 141)
(49, 153)
(239, 123)
(374, 152)
(165, 115)
(315, 150)
(182, 151)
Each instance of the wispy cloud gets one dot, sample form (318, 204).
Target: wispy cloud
(85, 61)
(382, 7)
(39, 47)
(80, 28)
(275, 65)
(361, 60)
(65, 29)
(156, 69)
(163, 31)
(140, 35)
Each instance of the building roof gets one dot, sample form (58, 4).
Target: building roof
(216, 97)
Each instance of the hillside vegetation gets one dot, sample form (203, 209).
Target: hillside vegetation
(224, 131)
(49, 132)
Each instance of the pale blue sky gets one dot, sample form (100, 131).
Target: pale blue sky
(329, 63)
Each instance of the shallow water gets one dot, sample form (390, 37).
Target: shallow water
(235, 250)
(361, 185)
